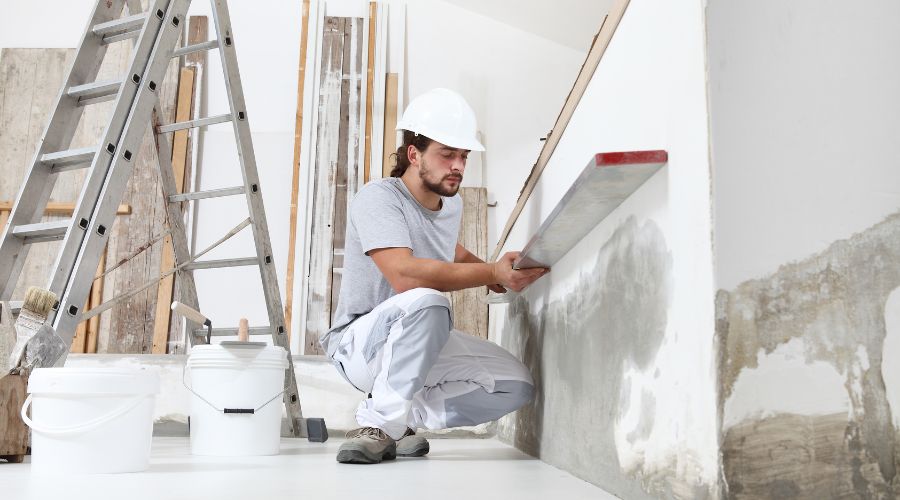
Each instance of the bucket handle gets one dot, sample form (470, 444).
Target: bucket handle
(250, 411)
(81, 428)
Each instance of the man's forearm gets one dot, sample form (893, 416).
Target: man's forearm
(445, 276)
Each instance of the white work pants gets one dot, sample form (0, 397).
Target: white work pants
(421, 373)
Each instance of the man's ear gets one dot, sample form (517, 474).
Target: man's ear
(413, 154)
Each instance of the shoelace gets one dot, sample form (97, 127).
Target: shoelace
(367, 431)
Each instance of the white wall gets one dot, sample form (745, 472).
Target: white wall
(649, 92)
(805, 134)
(53, 24)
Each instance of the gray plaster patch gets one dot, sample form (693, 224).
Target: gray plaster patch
(577, 349)
(835, 302)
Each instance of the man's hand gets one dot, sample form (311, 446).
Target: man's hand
(515, 280)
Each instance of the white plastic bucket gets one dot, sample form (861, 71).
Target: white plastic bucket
(236, 378)
(90, 420)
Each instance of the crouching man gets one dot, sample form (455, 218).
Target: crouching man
(393, 335)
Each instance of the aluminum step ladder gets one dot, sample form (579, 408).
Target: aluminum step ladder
(109, 163)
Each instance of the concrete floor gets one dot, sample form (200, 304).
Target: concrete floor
(455, 469)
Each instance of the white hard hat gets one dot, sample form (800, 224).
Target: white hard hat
(442, 115)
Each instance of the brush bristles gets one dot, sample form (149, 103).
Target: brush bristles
(39, 301)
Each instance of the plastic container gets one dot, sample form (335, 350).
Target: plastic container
(90, 420)
(236, 378)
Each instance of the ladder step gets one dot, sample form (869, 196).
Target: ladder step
(42, 231)
(225, 332)
(172, 127)
(216, 264)
(69, 159)
(197, 47)
(212, 193)
(91, 93)
(120, 29)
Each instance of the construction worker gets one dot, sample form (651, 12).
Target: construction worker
(393, 335)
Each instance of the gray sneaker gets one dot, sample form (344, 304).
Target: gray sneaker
(411, 445)
(367, 445)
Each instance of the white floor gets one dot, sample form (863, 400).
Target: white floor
(456, 469)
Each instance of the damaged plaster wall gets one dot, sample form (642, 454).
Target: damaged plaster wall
(619, 336)
(805, 163)
(807, 411)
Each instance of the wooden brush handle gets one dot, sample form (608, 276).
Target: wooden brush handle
(189, 313)
(243, 330)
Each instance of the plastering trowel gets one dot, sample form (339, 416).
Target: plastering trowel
(197, 317)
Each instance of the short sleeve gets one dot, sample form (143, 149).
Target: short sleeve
(378, 218)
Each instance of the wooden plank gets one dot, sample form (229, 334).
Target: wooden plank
(79, 341)
(598, 48)
(184, 106)
(85, 340)
(14, 434)
(370, 89)
(390, 122)
(318, 302)
(347, 175)
(353, 75)
(95, 299)
(295, 173)
(379, 80)
(7, 336)
(470, 315)
(57, 208)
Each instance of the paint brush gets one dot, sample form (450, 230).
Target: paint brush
(32, 316)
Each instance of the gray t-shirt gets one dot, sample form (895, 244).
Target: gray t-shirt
(384, 214)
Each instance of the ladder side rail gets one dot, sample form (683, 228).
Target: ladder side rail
(188, 290)
(39, 180)
(111, 151)
(260, 228)
(113, 188)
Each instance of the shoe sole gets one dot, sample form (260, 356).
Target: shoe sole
(418, 451)
(352, 455)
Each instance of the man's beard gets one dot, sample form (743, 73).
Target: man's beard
(438, 187)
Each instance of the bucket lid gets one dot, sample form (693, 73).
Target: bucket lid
(94, 380)
(268, 355)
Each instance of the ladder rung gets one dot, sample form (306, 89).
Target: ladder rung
(216, 264)
(172, 127)
(197, 47)
(212, 193)
(225, 332)
(42, 231)
(95, 92)
(69, 159)
(121, 36)
(120, 29)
